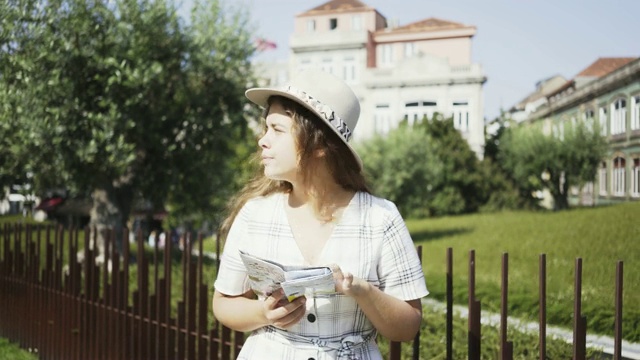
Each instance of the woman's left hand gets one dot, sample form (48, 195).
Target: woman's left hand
(346, 283)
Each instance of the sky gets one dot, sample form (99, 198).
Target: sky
(518, 42)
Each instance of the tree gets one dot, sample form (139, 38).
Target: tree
(554, 161)
(402, 167)
(504, 192)
(122, 101)
(426, 168)
(460, 186)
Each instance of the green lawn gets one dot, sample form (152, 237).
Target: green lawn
(11, 351)
(600, 236)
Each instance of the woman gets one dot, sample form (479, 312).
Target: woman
(311, 206)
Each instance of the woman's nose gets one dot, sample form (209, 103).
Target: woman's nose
(262, 142)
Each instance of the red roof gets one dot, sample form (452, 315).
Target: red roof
(431, 24)
(604, 66)
(339, 5)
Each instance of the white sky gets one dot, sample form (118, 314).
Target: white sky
(518, 42)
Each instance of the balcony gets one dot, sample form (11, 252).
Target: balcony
(328, 40)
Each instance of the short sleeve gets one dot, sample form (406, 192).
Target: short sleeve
(399, 270)
(232, 276)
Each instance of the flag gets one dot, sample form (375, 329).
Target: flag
(263, 44)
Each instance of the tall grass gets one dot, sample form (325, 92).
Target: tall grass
(600, 236)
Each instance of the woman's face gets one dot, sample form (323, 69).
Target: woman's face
(279, 150)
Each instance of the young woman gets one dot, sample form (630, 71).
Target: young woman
(310, 206)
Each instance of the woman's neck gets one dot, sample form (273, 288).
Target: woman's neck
(325, 201)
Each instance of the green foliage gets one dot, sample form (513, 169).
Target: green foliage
(402, 167)
(11, 351)
(503, 191)
(121, 96)
(600, 236)
(426, 169)
(459, 187)
(553, 161)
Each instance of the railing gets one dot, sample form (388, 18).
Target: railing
(86, 311)
(67, 310)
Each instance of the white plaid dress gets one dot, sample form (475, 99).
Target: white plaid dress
(370, 240)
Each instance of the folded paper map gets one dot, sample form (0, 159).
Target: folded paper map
(266, 276)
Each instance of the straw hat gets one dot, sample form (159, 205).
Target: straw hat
(323, 94)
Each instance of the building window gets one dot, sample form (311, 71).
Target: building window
(635, 112)
(333, 24)
(382, 119)
(618, 176)
(558, 129)
(356, 22)
(588, 118)
(327, 66)
(461, 115)
(311, 25)
(305, 64)
(386, 55)
(602, 179)
(618, 116)
(417, 110)
(635, 178)
(602, 117)
(349, 70)
(409, 49)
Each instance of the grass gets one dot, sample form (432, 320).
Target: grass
(525, 344)
(11, 351)
(600, 236)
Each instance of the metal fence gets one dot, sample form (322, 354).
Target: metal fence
(62, 308)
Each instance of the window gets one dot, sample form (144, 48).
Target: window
(461, 115)
(618, 116)
(356, 22)
(558, 129)
(409, 49)
(327, 66)
(602, 179)
(311, 25)
(305, 64)
(618, 176)
(333, 24)
(635, 113)
(382, 119)
(602, 117)
(349, 70)
(417, 110)
(635, 178)
(386, 55)
(588, 117)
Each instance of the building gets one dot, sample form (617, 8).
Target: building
(606, 94)
(538, 98)
(398, 72)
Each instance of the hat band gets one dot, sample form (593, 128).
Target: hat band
(323, 109)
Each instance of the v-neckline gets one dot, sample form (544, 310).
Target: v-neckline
(318, 260)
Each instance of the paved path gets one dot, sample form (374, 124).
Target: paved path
(630, 351)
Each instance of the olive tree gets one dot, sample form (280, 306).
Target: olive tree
(123, 100)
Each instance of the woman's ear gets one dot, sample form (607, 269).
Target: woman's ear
(319, 153)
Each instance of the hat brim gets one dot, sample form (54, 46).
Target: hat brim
(260, 96)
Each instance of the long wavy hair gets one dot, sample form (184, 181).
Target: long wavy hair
(311, 135)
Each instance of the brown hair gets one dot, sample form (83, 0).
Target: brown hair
(311, 134)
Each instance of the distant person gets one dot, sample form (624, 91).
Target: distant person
(309, 205)
(152, 238)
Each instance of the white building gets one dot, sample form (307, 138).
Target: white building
(398, 72)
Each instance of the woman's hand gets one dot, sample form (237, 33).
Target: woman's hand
(347, 284)
(281, 313)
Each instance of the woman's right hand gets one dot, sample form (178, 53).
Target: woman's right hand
(281, 313)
